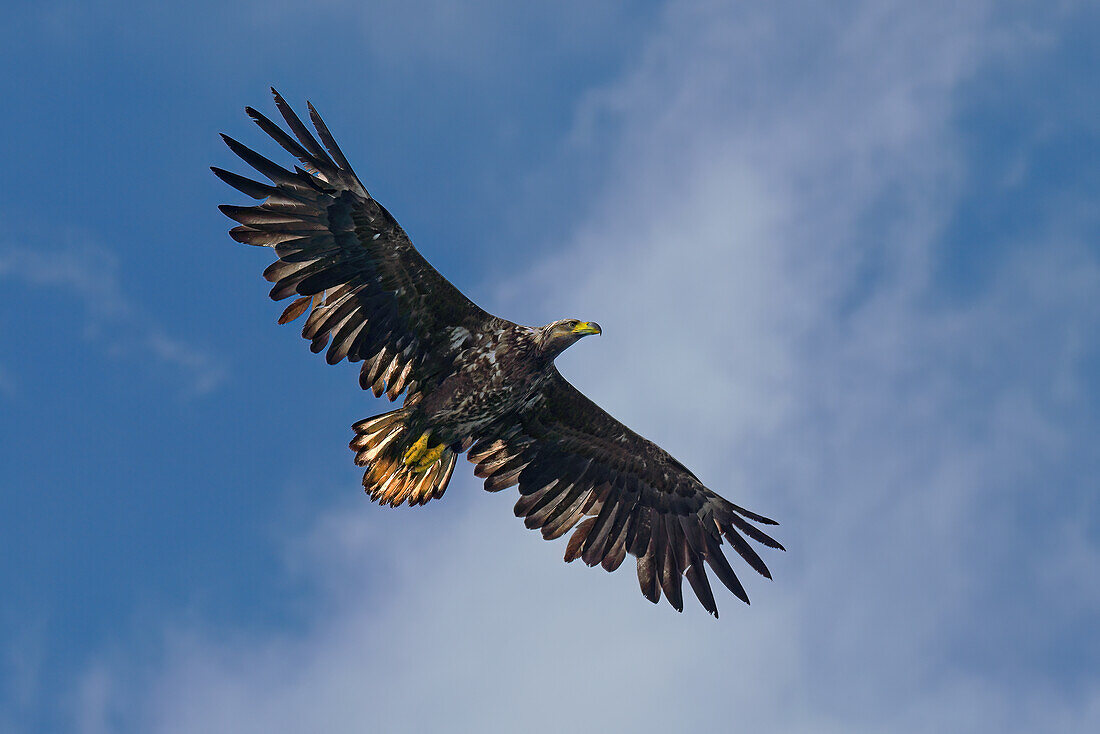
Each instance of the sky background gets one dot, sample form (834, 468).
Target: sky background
(847, 261)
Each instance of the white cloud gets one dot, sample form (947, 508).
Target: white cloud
(762, 260)
(473, 38)
(109, 317)
(21, 673)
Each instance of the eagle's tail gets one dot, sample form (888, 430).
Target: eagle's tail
(400, 466)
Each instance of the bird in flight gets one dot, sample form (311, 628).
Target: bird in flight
(472, 382)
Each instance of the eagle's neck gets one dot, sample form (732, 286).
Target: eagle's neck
(547, 347)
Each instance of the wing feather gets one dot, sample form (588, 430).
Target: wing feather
(571, 459)
(372, 297)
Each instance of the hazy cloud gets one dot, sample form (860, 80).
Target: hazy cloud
(109, 318)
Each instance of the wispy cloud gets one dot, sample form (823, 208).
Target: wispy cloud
(764, 260)
(108, 317)
(21, 674)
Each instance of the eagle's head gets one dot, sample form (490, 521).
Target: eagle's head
(555, 337)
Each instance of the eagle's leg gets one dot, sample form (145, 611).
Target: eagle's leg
(419, 457)
(397, 472)
(414, 452)
(430, 457)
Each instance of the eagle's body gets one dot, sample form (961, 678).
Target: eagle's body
(500, 368)
(473, 382)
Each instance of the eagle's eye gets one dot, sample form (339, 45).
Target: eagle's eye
(563, 328)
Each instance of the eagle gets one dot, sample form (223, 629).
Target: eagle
(472, 382)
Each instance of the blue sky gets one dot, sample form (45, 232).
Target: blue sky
(847, 262)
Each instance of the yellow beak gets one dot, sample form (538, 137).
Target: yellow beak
(587, 327)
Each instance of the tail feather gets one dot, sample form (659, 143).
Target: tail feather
(379, 445)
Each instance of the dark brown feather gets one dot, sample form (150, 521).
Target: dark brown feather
(596, 544)
(668, 572)
(697, 577)
(616, 548)
(576, 540)
(295, 309)
(647, 574)
(300, 130)
(722, 568)
(746, 551)
(568, 513)
(755, 533)
(246, 186)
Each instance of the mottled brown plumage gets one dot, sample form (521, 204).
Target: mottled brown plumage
(473, 382)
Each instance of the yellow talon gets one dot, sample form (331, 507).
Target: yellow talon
(428, 458)
(417, 450)
(419, 457)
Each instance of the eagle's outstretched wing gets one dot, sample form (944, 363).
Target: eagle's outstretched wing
(370, 294)
(574, 463)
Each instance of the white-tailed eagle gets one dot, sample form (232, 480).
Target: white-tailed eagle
(473, 382)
